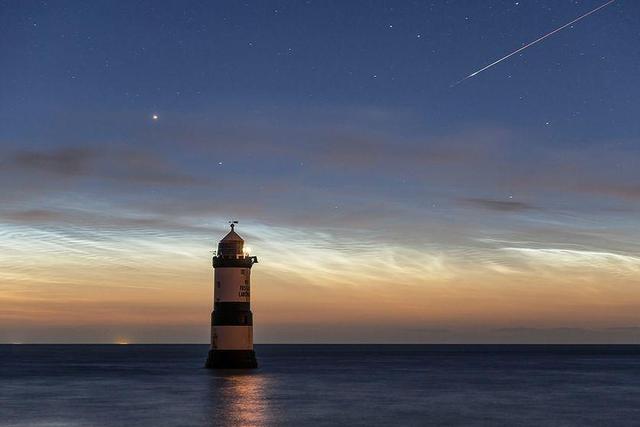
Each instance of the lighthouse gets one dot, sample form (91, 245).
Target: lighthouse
(231, 319)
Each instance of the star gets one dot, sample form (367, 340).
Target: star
(155, 117)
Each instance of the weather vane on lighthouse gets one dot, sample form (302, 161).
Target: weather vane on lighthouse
(231, 319)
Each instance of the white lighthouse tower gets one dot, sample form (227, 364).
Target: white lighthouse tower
(231, 319)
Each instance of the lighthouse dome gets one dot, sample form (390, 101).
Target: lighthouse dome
(232, 236)
(231, 245)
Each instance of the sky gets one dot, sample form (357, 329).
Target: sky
(385, 203)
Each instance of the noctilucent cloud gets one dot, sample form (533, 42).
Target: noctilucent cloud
(384, 204)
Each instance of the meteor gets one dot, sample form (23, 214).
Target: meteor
(475, 73)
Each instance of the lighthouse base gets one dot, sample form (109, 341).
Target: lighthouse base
(231, 359)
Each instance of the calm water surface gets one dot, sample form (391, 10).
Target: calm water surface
(301, 385)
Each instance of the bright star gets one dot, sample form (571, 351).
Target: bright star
(155, 117)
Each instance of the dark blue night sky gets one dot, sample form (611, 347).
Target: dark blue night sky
(264, 58)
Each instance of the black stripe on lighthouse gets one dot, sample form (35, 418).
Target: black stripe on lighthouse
(232, 314)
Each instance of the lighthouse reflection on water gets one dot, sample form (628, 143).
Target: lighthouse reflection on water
(239, 399)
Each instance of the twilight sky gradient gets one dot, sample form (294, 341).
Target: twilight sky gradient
(384, 205)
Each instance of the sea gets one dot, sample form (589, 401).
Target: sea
(322, 385)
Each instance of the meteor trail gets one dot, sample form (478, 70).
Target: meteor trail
(475, 73)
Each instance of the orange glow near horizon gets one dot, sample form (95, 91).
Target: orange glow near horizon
(313, 288)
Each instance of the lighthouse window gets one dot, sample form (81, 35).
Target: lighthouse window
(242, 271)
(246, 282)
